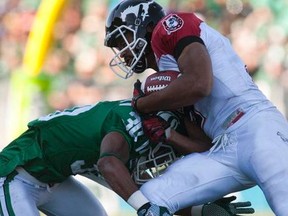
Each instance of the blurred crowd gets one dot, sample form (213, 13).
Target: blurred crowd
(76, 71)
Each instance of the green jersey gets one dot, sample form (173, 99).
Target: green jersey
(68, 142)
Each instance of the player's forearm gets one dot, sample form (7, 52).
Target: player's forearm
(197, 134)
(117, 176)
(120, 181)
(172, 97)
(185, 145)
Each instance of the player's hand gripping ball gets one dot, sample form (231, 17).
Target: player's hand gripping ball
(154, 126)
(137, 93)
(154, 82)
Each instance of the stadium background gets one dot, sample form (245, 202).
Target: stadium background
(41, 72)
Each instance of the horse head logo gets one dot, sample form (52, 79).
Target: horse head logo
(140, 11)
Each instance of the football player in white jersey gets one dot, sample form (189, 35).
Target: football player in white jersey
(249, 134)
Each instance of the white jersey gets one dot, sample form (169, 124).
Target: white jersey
(250, 135)
(234, 94)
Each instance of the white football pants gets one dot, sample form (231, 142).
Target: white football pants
(22, 197)
(254, 153)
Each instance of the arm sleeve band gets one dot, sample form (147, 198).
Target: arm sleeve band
(137, 199)
(184, 42)
(107, 154)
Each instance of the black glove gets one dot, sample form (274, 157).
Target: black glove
(150, 209)
(137, 93)
(225, 207)
(154, 128)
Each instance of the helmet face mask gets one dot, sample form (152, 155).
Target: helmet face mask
(154, 164)
(135, 48)
(159, 157)
(138, 17)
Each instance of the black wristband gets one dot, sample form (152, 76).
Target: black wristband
(135, 101)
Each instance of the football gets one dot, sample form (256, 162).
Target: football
(157, 81)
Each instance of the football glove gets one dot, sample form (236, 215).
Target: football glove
(225, 207)
(137, 93)
(150, 209)
(154, 128)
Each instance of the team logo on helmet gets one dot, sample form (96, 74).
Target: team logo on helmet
(142, 8)
(172, 23)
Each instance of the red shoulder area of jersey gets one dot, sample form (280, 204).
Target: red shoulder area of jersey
(171, 29)
(158, 81)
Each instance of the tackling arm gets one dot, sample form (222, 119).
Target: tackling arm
(158, 130)
(196, 142)
(114, 154)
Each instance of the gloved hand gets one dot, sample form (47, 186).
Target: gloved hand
(225, 207)
(154, 128)
(150, 209)
(137, 93)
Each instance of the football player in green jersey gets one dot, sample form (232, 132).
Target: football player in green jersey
(37, 168)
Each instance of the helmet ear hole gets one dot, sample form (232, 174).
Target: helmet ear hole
(137, 22)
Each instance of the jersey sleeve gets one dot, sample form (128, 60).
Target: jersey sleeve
(114, 123)
(174, 32)
(129, 125)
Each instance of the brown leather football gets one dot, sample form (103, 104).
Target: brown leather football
(158, 81)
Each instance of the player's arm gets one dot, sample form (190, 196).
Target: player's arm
(196, 141)
(195, 83)
(158, 130)
(114, 154)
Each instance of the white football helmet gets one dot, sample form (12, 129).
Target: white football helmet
(154, 164)
(159, 157)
